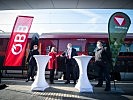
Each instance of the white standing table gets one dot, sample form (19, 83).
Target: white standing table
(40, 83)
(83, 84)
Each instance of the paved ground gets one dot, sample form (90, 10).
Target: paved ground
(18, 89)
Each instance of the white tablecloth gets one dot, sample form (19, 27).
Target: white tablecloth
(40, 83)
(83, 84)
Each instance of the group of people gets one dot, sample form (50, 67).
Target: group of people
(102, 60)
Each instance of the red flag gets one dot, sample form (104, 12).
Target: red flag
(17, 44)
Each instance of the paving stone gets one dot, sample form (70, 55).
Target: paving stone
(21, 90)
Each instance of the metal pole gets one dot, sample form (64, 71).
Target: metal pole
(114, 79)
(0, 76)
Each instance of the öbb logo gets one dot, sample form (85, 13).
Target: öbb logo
(19, 39)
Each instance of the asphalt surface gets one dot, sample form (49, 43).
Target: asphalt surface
(18, 89)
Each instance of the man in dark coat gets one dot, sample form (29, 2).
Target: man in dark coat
(70, 63)
(103, 62)
(32, 66)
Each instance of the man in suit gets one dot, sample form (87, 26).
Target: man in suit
(103, 62)
(70, 63)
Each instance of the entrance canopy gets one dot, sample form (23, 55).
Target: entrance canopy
(65, 4)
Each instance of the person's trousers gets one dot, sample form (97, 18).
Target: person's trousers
(31, 71)
(51, 75)
(104, 73)
(70, 71)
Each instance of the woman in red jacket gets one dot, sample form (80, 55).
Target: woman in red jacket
(52, 64)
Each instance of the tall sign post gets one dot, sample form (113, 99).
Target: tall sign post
(117, 28)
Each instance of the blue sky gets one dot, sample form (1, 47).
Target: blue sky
(63, 20)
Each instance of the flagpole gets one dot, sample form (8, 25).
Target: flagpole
(112, 65)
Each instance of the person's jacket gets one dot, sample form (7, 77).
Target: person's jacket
(103, 55)
(73, 53)
(31, 60)
(52, 64)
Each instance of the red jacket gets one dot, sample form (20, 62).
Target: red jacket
(52, 64)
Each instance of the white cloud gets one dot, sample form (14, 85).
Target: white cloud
(92, 16)
(53, 20)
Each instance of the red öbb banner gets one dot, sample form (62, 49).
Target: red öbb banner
(17, 43)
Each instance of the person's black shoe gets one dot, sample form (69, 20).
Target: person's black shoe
(27, 80)
(51, 82)
(3, 86)
(74, 83)
(67, 82)
(32, 79)
(98, 85)
(107, 89)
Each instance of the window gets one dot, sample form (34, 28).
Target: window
(131, 48)
(78, 48)
(91, 48)
(123, 48)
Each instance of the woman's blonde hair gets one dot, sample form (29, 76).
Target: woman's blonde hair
(53, 49)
